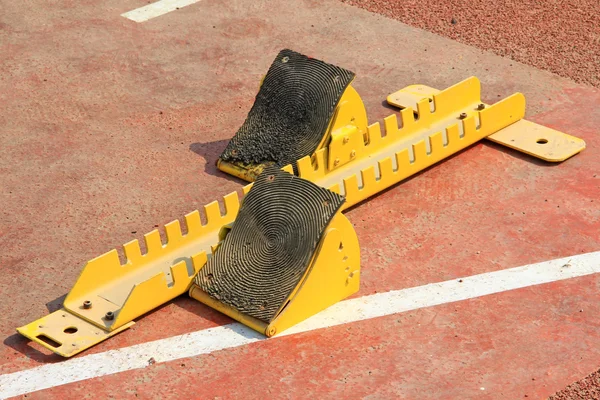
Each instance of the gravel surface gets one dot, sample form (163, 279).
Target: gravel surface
(585, 389)
(561, 36)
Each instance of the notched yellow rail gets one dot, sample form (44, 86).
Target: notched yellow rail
(424, 138)
(525, 136)
(359, 162)
(108, 296)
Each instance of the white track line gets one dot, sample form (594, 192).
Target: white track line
(156, 9)
(235, 335)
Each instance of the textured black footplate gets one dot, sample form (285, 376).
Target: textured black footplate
(270, 245)
(291, 112)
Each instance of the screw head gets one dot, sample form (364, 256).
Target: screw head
(352, 154)
(480, 106)
(87, 304)
(336, 161)
(346, 139)
(109, 316)
(462, 115)
(285, 59)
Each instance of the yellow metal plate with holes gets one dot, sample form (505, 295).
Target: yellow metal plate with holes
(524, 136)
(350, 111)
(65, 333)
(538, 141)
(334, 274)
(345, 144)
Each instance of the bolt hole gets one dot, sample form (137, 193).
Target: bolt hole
(271, 178)
(48, 341)
(341, 246)
(285, 59)
(70, 330)
(208, 278)
(347, 269)
(542, 141)
(345, 258)
(325, 203)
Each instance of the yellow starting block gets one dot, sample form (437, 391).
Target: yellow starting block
(284, 251)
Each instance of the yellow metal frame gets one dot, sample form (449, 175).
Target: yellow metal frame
(369, 162)
(333, 275)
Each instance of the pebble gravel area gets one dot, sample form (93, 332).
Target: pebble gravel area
(586, 389)
(560, 36)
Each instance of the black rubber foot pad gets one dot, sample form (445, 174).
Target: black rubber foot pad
(291, 112)
(270, 245)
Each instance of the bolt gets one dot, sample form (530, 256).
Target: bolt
(285, 59)
(109, 316)
(462, 115)
(87, 304)
(352, 154)
(346, 139)
(480, 106)
(336, 161)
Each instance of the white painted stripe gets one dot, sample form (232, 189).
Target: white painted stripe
(156, 9)
(234, 335)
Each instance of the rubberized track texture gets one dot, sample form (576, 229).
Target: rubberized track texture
(270, 245)
(291, 112)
